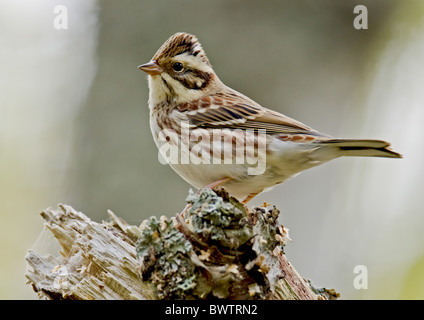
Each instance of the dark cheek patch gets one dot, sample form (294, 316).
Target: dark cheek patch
(195, 79)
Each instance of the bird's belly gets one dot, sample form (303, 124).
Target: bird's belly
(281, 161)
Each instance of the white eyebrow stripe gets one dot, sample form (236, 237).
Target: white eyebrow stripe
(193, 62)
(197, 48)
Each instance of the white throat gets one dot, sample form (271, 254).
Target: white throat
(159, 91)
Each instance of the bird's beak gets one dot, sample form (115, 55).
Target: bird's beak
(152, 68)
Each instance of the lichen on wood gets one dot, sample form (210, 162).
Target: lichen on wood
(215, 249)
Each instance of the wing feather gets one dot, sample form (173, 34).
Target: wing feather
(236, 111)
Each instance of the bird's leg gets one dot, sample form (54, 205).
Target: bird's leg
(249, 197)
(182, 214)
(217, 183)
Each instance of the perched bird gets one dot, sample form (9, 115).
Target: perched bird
(189, 101)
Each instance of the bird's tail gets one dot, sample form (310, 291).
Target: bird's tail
(362, 148)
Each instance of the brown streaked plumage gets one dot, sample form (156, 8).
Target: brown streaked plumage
(185, 89)
(181, 43)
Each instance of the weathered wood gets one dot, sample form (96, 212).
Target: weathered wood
(215, 249)
(98, 259)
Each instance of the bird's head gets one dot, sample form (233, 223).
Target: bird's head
(180, 71)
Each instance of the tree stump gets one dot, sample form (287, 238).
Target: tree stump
(215, 249)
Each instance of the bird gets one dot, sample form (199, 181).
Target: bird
(195, 116)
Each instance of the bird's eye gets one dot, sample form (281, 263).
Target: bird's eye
(178, 66)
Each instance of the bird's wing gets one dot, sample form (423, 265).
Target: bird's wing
(233, 110)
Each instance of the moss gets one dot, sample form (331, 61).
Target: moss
(219, 219)
(218, 249)
(163, 253)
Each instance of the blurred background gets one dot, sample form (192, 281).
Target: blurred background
(74, 124)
